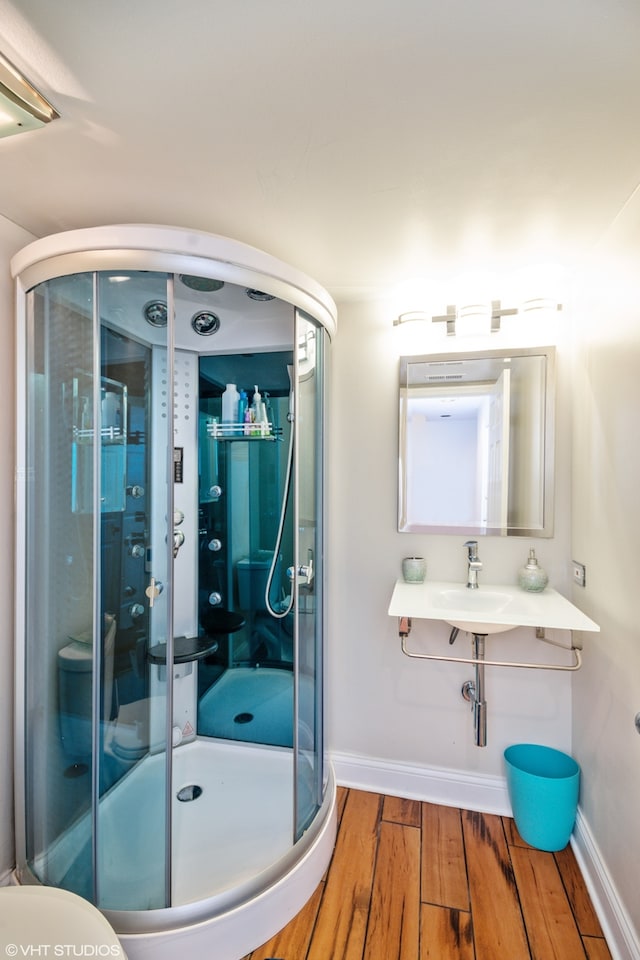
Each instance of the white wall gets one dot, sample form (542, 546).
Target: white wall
(382, 705)
(395, 711)
(12, 238)
(606, 537)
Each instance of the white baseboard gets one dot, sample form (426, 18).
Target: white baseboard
(470, 791)
(454, 788)
(623, 940)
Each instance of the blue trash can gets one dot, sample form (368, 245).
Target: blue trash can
(543, 786)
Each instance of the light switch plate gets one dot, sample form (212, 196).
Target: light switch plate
(579, 573)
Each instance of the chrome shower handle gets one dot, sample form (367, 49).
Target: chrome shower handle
(154, 590)
(304, 570)
(178, 540)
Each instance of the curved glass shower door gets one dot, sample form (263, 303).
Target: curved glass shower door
(96, 560)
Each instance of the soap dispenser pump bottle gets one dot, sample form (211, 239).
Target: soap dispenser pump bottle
(257, 411)
(532, 576)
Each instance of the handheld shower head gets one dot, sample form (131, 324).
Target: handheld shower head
(290, 371)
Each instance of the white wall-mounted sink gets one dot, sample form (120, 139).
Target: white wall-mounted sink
(489, 609)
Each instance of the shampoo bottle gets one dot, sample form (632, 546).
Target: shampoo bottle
(248, 429)
(230, 404)
(532, 576)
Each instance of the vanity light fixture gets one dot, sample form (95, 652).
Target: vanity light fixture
(22, 108)
(477, 318)
(449, 318)
(474, 320)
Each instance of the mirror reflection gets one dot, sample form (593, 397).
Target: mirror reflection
(476, 443)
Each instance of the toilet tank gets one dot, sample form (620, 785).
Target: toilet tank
(75, 689)
(75, 676)
(253, 573)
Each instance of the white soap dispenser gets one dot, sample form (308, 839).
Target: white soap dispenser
(532, 576)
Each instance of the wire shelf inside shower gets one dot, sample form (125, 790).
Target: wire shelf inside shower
(243, 431)
(107, 434)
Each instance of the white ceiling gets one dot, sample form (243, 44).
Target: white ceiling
(362, 142)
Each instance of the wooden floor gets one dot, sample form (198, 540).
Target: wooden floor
(416, 881)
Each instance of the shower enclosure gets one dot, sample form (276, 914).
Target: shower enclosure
(170, 604)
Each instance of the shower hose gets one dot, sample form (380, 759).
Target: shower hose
(280, 614)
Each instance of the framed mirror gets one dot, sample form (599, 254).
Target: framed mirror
(476, 452)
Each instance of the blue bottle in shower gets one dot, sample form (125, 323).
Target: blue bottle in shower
(242, 406)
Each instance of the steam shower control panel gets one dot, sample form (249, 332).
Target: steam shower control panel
(178, 464)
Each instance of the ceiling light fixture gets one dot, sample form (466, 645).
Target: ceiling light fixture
(22, 108)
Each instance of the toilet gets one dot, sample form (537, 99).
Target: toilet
(75, 685)
(125, 738)
(45, 921)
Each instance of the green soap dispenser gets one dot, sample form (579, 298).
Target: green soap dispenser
(532, 576)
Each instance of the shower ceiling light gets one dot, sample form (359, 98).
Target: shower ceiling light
(201, 284)
(259, 295)
(22, 108)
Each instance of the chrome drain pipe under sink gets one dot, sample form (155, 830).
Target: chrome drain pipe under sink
(473, 691)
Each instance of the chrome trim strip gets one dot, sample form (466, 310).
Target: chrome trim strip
(169, 567)
(295, 585)
(24, 306)
(97, 594)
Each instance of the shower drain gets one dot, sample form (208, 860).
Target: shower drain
(243, 718)
(76, 770)
(191, 792)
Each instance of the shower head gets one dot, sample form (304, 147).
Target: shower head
(201, 284)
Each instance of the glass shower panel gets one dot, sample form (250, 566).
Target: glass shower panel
(309, 599)
(136, 437)
(95, 776)
(246, 529)
(58, 604)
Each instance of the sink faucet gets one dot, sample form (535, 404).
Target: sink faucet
(474, 564)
